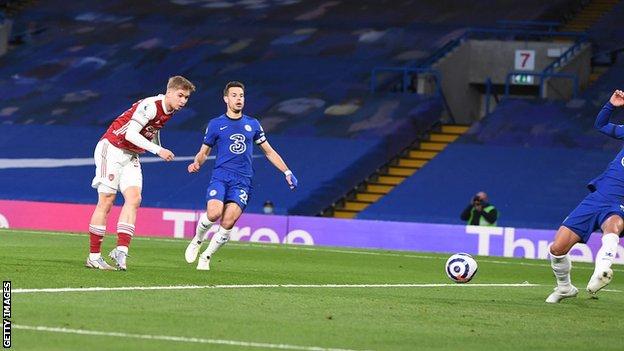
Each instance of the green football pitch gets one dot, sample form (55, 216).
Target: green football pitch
(263, 297)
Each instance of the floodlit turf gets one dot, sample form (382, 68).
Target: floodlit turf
(468, 317)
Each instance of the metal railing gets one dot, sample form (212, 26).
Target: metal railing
(408, 75)
(550, 26)
(488, 95)
(490, 33)
(493, 33)
(424, 67)
(563, 58)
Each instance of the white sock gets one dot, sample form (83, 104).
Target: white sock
(606, 254)
(561, 266)
(95, 256)
(218, 239)
(123, 249)
(202, 227)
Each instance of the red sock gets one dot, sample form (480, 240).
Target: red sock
(95, 243)
(96, 236)
(123, 239)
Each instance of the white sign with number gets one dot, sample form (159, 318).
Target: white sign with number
(525, 60)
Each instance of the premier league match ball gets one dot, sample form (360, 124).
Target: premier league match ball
(461, 267)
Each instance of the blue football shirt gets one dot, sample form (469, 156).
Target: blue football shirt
(234, 139)
(611, 182)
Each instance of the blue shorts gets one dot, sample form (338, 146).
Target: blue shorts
(589, 215)
(229, 187)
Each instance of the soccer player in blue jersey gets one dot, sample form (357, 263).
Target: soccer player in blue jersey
(602, 209)
(233, 135)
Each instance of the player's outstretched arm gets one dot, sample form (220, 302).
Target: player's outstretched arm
(200, 158)
(279, 163)
(602, 120)
(134, 136)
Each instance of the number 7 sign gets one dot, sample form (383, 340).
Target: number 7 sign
(525, 60)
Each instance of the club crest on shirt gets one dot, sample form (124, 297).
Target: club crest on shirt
(248, 127)
(212, 192)
(111, 177)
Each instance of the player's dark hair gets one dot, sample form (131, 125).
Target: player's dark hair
(233, 84)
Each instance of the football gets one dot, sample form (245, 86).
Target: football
(461, 267)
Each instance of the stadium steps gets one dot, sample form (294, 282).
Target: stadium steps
(589, 15)
(396, 171)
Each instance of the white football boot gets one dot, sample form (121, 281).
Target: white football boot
(120, 258)
(203, 264)
(192, 250)
(599, 281)
(99, 264)
(561, 293)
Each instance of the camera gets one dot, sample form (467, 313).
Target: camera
(476, 200)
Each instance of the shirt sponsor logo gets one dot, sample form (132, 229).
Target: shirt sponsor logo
(238, 146)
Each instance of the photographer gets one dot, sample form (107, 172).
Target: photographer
(480, 212)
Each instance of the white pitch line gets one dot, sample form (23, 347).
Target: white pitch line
(264, 286)
(177, 338)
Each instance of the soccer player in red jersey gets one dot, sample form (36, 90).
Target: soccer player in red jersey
(117, 166)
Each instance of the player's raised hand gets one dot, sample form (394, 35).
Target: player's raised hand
(166, 155)
(194, 167)
(291, 180)
(617, 99)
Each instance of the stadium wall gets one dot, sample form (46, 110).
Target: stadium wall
(421, 237)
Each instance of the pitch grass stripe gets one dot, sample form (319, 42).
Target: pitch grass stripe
(323, 249)
(177, 338)
(261, 286)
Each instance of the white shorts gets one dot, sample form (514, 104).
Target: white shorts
(116, 168)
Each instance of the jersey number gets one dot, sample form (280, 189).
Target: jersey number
(243, 196)
(238, 146)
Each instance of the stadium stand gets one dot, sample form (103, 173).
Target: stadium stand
(533, 158)
(598, 18)
(94, 60)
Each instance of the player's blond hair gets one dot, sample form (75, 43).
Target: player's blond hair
(233, 84)
(179, 82)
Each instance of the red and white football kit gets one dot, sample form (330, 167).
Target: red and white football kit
(117, 153)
